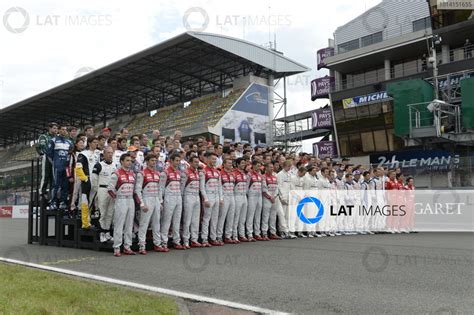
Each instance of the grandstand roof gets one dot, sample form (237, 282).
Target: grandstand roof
(177, 70)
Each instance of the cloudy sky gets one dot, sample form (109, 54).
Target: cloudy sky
(46, 43)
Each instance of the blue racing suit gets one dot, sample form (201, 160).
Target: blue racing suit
(58, 154)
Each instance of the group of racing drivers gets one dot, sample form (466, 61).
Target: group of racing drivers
(188, 193)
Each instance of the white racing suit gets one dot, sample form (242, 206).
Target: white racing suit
(147, 192)
(254, 209)
(191, 204)
(269, 212)
(379, 200)
(338, 222)
(226, 213)
(172, 205)
(121, 187)
(211, 190)
(116, 157)
(281, 203)
(349, 221)
(241, 188)
(324, 185)
(367, 192)
(101, 176)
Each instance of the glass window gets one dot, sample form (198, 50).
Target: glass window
(344, 145)
(375, 109)
(387, 107)
(395, 143)
(372, 39)
(339, 114)
(355, 144)
(380, 140)
(358, 79)
(362, 111)
(381, 74)
(388, 117)
(410, 67)
(349, 82)
(350, 113)
(367, 141)
(421, 24)
(348, 46)
(370, 76)
(398, 70)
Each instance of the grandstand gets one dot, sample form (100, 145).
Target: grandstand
(189, 82)
(194, 119)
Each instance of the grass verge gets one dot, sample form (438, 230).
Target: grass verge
(30, 291)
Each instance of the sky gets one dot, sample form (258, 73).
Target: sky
(47, 43)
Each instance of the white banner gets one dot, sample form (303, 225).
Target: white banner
(381, 210)
(20, 212)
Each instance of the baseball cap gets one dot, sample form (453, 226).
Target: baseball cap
(107, 129)
(356, 172)
(132, 149)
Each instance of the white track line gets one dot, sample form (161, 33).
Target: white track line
(135, 285)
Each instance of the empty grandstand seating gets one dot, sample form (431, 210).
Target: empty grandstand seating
(201, 113)
(26, 153)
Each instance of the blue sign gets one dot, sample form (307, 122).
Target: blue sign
(254, 101)
(417, 159)
(365, 99)
(319, 205)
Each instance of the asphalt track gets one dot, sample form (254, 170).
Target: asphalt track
(423, 273)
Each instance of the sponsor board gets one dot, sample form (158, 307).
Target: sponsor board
(14, 212)
(365, 99)
(6, 211)
(381, 210)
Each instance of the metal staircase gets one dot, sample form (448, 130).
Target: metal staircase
(293, 133)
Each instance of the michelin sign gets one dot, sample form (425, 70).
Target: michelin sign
(365, 99)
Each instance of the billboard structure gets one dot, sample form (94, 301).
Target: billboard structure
(248, 120)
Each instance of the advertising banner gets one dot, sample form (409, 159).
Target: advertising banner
(6, 211)
(20, 212)
(363, 211)
(324, 149)
(248, 120)
(323, 54)
(322, 118)
(321, 87)
(417, 159)
(365, 99)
